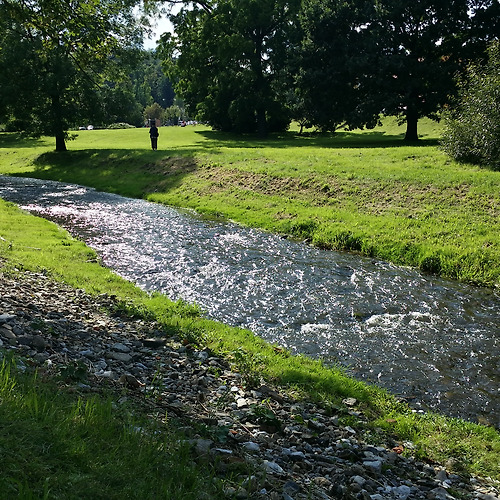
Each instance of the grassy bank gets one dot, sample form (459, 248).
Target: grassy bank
(366, 192)
(59, 447)
(470, 447)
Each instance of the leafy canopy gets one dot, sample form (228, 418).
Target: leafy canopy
(62, 61)
(229, 61)
(363, 58)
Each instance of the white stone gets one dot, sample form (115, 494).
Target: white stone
(241, 402)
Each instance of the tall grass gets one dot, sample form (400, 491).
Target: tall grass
(56, 447)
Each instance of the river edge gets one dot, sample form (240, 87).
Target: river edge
(131, 267)
(315, 453)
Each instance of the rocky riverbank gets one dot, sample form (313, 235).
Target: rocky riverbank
(296, 450)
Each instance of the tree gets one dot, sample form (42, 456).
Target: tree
(329, 66)
(472, 131)
(229, 62)
(62, 61)
(150, 82)
(420, 45)
(393, 57)
(155, 111)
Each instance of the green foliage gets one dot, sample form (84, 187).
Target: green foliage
(346, 240)
(359, 59)
(120, 125)
(155, 111)
(75, 371)
(174, 113)
(263, 415)
(303, 229)
(57, 62)
(328, 64)
(249, 365)
(228, 61)
(150, 83)
(472, 131)
(192, 335)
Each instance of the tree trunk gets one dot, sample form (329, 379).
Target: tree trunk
(57, 123)
(411, 126)
(60, 141)
(260, 86)
(261, 123)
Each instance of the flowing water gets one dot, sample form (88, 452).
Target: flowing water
(434, 342)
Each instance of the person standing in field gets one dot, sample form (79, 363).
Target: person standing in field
(153, 134)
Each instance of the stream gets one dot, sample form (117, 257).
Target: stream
(434, 342)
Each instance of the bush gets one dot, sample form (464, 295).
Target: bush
(120, 125)
(472, 128)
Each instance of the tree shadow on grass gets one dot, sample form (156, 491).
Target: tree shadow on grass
(17, 140)
(139, 172)
(338, 140)
(130, 172)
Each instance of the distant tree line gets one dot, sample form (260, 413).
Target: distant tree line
(255, 65)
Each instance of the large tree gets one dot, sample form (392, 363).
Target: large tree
(229, 60)
(420, 46)
(363, 58)
(330, 66)
(62, 61)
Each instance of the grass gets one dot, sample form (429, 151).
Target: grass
(274, 184)
(58, 447)
(365, 192)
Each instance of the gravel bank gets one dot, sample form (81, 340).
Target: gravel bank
(295, 449)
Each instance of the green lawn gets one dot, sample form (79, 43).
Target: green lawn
(366, 192)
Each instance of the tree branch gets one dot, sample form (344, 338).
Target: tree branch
(204, 5)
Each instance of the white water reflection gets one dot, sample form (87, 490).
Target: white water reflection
(433, 341)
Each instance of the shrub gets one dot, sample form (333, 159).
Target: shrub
(472, 127)
(121, 125)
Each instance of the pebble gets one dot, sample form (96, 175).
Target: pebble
(301, 454)
(272, 467)
(251, 447)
